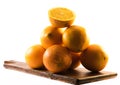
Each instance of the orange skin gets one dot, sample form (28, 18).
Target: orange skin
(75, 38)
(61, 24)
(34, 56)
(50, 36)
(57, 59)
(94, 58)
(75, 60)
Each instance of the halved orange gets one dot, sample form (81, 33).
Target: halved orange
(61, 17)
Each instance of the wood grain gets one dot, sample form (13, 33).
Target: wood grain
(77, 76)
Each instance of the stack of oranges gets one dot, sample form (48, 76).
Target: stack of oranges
(65, 46)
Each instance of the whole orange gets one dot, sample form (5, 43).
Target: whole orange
(50, 36)
(94, 58)
(57, 59)
(75, 60)
(75, 38)
(34, 56)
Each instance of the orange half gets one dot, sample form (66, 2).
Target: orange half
(61, 17)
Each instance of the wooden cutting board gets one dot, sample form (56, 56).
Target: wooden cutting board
(77, 76)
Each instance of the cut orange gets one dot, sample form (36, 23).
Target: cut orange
(61, 17)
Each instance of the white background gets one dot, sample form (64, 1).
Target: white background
(21, 22)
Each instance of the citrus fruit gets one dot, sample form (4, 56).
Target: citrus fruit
(75, 60)
(61, 17)
(57, 59)
(75, 38)
(51, 36)
(94, 58)
(34, 56)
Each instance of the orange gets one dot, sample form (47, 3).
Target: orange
(61, 17)
(94, 58)
(75, 38)
(57, 59)
(75, 60)
(34, 56)
(50, 36)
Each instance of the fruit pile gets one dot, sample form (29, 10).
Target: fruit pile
(65, 46)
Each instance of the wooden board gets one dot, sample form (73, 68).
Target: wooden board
(78, 76)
